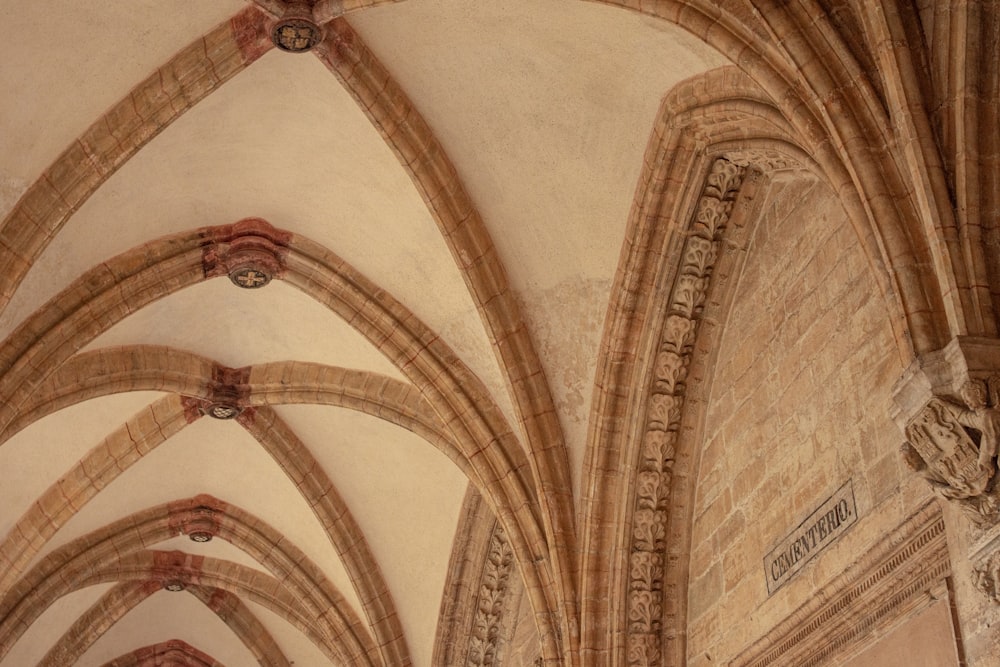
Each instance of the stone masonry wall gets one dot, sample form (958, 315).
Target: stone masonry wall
(799, 404)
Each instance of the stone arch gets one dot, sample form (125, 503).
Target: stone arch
(840, 116)
(122, 598)
(631, 449)
(818, 85)
(155, 368)
(439, 184)
(238, 43)
(141, 434)
(298, 590)
(173, 653)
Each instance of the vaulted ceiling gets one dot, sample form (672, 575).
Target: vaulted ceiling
(438, 194)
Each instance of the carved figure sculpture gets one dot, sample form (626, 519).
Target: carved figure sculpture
(983, 417)
(954, 448)
(986, 577)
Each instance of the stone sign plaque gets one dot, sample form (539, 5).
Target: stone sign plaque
(820, 529)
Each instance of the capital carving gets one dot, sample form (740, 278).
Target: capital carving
(948, 406)
(954, 447)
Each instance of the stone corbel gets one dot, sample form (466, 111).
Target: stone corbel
(948, 406)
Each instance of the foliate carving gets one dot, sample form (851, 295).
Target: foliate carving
(484, 644)
(663, 412)
(954, 447)
(764, 159)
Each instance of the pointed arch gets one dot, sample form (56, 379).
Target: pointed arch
(123, 597)
(196, 71)
(629, 471)
(297, 590)
(151, 427)
(437, 180)
(174, 653)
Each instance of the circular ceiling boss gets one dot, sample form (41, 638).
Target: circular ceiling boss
(296, 31)
(223, 411)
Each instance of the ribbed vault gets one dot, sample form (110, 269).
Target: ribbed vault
(389, 328)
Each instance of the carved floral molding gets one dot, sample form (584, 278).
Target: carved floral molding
(664, 409)
(487, 624)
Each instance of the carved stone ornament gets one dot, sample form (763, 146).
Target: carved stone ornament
(249, 277)
(296, 32)
(223, 411)
(663, 411)
(954, 447)
(250, 252)
(173, 585)
(986, 576)
(484, 642)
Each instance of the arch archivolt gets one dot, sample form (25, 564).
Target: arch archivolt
(722, 126)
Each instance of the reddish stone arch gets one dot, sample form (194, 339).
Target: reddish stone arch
(165, 417)
(173, 653)
(122, 598)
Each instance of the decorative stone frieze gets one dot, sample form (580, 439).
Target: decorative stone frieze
(764, 159)
(663, 411)
(984, 554)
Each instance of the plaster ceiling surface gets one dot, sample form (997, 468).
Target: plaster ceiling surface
(215, 549)
(44, 451)
(37, 639)
(358, 448)
(62, 92)
(162, 616)
(241, 328)
(200, 459)
(296, 648)
(547, 122)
